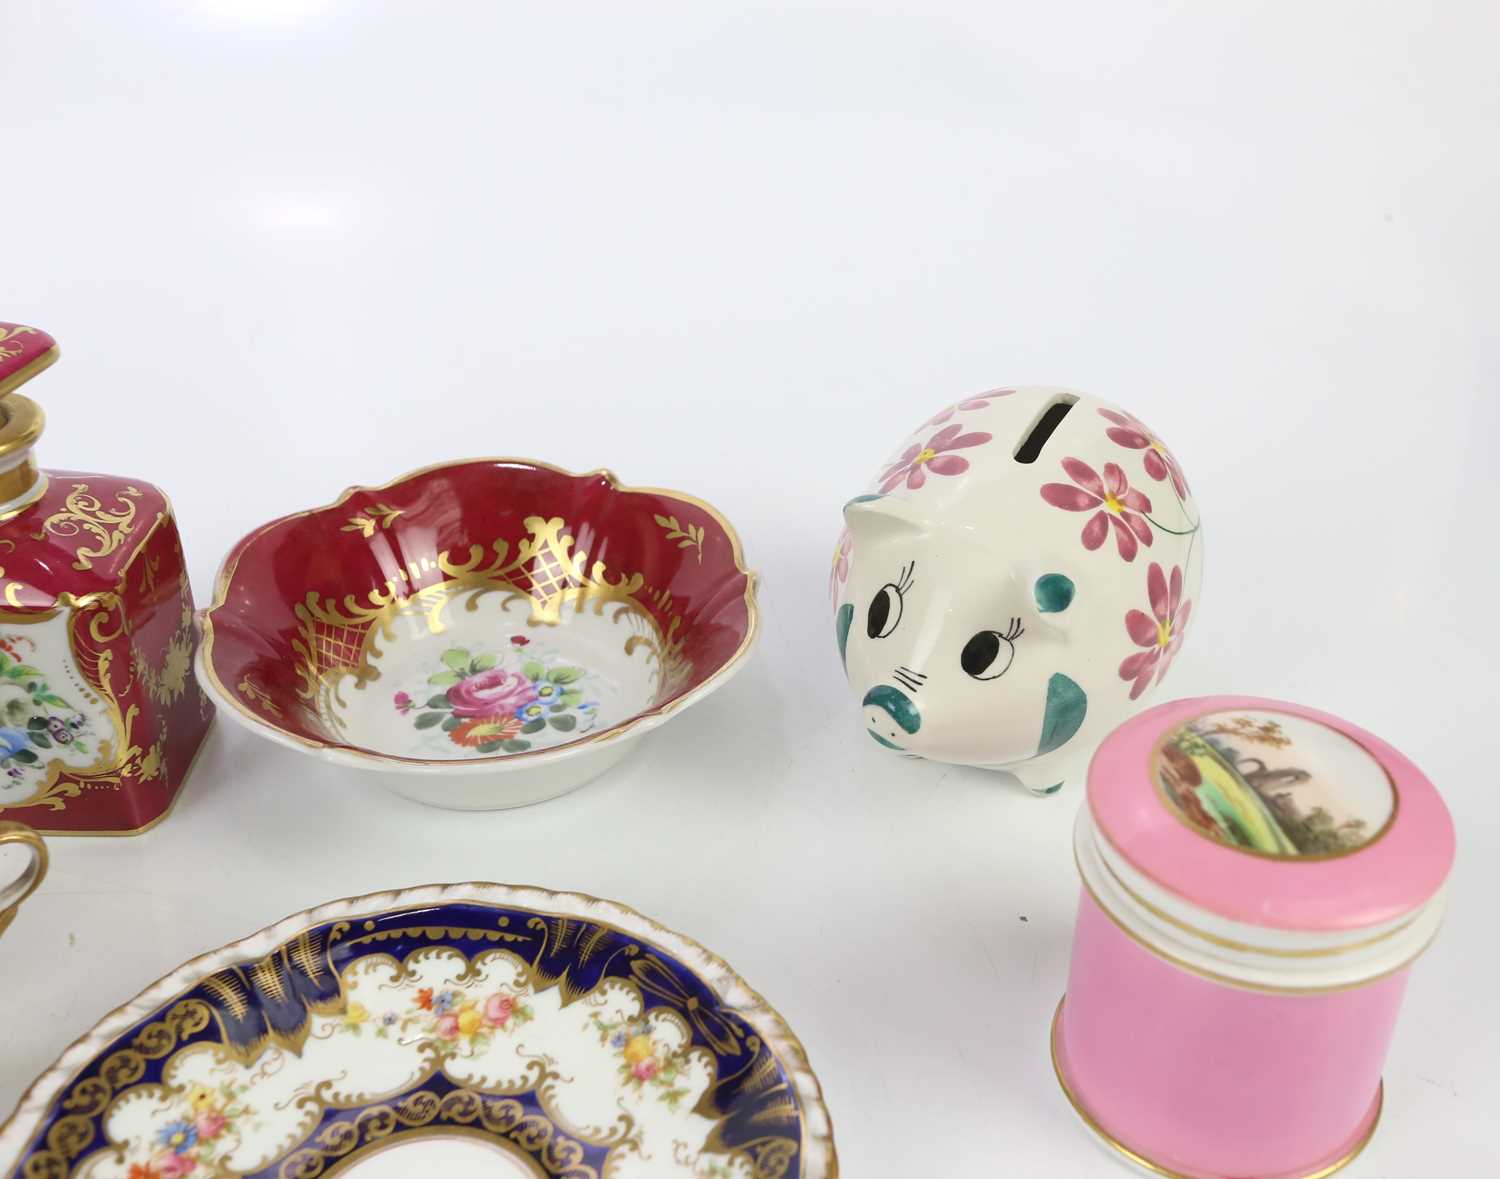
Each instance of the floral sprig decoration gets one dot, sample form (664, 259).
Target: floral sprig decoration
(205, 1125)
(454, 1020)
(644, 1060)
(1160, 633)
(491, 708)
(1112, 501)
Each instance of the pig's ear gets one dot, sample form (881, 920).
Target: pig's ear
(1054, 595)
(872, 517)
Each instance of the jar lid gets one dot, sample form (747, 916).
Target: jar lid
(1246, 814)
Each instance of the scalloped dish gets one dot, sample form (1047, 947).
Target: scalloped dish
(487, 633)
(463, 1030)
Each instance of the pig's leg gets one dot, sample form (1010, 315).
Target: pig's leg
(1047, 773)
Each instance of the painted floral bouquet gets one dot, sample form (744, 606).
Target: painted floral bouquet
(484, 705)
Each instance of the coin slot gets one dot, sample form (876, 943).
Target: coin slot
(1042, 428)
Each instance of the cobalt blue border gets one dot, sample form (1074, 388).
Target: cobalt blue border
(271, 1001)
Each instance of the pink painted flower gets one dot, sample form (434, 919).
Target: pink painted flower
(644, 1070)
(404, 703)
(1116, 503)
(447, 1026)
(916, 461)
(520, 640)
(497, 1009)
(174, 1166)
(840, 572)
(489, 694)
(210, 1124)
(978, 401)
(1160, 632)
(1132, 432)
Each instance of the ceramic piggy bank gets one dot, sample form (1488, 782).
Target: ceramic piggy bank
(1019, 574)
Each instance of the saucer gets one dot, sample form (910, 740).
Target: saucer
(471, 1029)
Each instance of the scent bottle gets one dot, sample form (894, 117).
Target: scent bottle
(100, 715)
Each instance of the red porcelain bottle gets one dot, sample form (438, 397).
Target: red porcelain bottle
(100, 715)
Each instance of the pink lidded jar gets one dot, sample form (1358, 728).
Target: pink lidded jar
(1258, 878)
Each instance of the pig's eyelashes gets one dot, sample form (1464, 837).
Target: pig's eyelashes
(989, 654)
(885, 611)
(884, 614)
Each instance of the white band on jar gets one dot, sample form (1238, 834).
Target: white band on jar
(1254, 956)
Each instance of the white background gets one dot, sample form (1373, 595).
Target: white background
(742, 250)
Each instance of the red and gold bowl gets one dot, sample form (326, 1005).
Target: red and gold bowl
(484, 634)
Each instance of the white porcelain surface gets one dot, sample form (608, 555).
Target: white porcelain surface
(471, 785)
(578, 677)
(749, 244)
(1253, 954)
(599, 686)
(1005, 608)
(463, 1014)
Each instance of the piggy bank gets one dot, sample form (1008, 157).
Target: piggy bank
(1015, 581)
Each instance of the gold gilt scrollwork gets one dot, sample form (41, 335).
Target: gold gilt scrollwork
(687, 536)
(84, 513)
(437, 933)
(71, 1135)
(365, 521)
(335, 637)
(13, 588)
(254, 693)
(760, 1079)
(120, 757)
(165, 683)
(153, 762)
(771, 1158)
(477, 1109)
(9, 350)
(654, 977)
(557, 1153)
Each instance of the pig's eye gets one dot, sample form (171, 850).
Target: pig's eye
(885, 611)
(884, 614)
(989, 654)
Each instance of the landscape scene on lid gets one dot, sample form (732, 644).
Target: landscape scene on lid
(1274, 784)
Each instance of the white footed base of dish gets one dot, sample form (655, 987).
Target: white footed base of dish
(497, 786)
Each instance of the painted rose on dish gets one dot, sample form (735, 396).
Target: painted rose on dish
(486, 692)
(484, 702)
